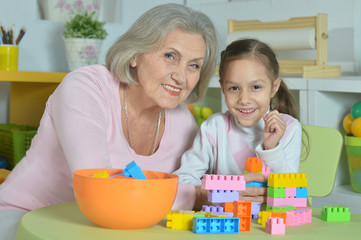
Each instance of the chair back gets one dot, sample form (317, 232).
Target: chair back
(324, 146)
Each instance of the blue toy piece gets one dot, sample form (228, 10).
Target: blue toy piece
(4, 163)
(301, 192)
(256, 184)
(132, 170)
(215, 225)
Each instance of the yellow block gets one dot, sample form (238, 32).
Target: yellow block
(287, 180)
(102, 174)
(264, 215)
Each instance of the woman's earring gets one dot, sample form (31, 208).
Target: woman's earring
(133, 63)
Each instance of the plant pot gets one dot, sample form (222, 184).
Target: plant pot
(82, 51)
(63, 10)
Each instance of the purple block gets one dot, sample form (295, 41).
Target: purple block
(220, 196)
(216, 210)
(256, 207)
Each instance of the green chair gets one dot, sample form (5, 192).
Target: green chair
(320, 156)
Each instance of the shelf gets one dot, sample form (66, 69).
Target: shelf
(342, 195)
(31, 77)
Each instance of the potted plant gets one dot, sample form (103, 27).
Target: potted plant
(83, 37)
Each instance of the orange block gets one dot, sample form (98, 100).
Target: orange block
(245, 224)
(227, 206)
(253, 164)
(242, 208)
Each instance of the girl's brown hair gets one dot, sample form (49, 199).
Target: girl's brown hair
(252, 48)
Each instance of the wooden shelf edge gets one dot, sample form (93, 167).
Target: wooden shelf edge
(32, 77)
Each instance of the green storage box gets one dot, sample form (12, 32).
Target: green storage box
(15, 140)
(353, 150)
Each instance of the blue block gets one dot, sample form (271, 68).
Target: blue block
(203, 225)
(301, 192)
(256, 184)
(132, 170)
(220, 196)
(4, 163)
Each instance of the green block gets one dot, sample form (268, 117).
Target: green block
(199, 214)
(284, 208)
(335, 214)
(276, 192)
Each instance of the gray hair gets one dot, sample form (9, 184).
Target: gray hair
(147, 33)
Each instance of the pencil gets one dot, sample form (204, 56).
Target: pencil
(21, 35)
(3, 35)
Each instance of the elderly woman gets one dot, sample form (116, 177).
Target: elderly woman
(107, 116)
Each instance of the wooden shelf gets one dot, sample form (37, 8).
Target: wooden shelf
(29, 92)
(31, 77)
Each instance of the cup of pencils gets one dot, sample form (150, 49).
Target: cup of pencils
(9, 49)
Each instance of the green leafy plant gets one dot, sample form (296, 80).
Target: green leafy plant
(84, 25)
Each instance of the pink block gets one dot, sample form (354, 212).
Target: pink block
(275, 226)
(298, 217)
(266, 171)
(223, 182)
(290, 192)
(296, 202)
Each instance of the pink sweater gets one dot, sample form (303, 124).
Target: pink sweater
(81, 128)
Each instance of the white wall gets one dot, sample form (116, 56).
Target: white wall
(42, 48)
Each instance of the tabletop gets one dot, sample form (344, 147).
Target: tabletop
(66, 221)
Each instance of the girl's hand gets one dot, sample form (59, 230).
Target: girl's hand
(273, 130)
(254, 194)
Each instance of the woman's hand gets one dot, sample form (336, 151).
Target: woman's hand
(273, 130)
(254, 194)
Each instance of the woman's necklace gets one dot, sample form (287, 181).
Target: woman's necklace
(126, 118)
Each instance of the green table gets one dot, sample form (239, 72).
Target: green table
(66, 222)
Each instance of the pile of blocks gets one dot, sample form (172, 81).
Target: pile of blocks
(286, 202)
(225, 189)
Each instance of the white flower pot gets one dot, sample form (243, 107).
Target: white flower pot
(63, 10)
(82, 51)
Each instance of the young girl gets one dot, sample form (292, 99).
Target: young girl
(261, 121)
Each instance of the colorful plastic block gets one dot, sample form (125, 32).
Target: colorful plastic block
(335, 214)
(132, 170)
(244, 224)
(253, 164)
(276, 192)
(256, 184)
(301, 192)
(275, 226)
(223, 182)
(264, 215)
(266, 171)
(298, 217)
(256, 207)
(290, 192)
(242, 209)
(219, 196)
(296, 202)
(227, 206)
(285, 180)
(175, 219)
(283, 208)
(180, 219)
(215, 225)
(102, 174)
(218, 210)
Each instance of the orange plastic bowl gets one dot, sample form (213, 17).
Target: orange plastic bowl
(124, 203)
